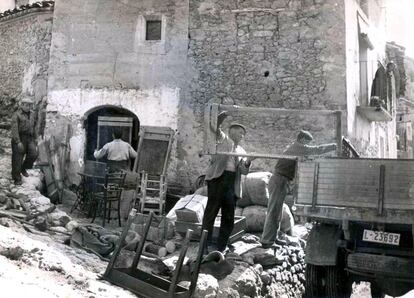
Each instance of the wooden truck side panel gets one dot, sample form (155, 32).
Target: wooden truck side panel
(383, 187)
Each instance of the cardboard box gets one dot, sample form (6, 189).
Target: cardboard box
(238, 229)
(191, 208)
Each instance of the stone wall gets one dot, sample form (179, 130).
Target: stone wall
(277, 54)
(100, 57)
(25, 46)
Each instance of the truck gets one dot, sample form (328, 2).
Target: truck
(362, 212)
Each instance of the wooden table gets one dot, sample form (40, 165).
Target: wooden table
(85, 191)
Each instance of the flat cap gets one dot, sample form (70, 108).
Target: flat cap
(235, 124)
(26, 100)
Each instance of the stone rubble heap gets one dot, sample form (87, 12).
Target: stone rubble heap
(274, 272)
(26, 204)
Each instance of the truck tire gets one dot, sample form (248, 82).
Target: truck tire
(336, 283)
(313, 283)
(376, 291)
(325, 281)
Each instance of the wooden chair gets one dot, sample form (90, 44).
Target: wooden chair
(154, 149)
(153, 194)
(107, 197)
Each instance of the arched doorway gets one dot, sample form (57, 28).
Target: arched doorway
(105, 133)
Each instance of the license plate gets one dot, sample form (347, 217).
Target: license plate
(381, 237)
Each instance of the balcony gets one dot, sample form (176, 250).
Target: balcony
(375, 114)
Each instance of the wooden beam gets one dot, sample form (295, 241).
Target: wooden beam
(131, 218)
(315, 185)
(381, 190)
(257, 155)
(236, 110)
(212, 111)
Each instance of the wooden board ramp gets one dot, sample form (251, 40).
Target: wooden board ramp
(46, 164)
(212, 111)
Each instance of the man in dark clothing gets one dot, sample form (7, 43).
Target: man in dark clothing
(284, 172)
(23, 140)
(223, 181)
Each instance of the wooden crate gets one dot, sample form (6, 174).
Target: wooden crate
(238, 229)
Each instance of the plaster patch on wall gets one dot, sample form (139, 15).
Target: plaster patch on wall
(156, 107)
(29, 74)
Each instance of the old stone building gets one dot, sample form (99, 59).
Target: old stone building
(161, 62)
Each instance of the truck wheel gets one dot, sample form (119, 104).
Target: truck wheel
(376, 291)
(336, 283)
(314, 281)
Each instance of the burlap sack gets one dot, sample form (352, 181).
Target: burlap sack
(238, 211)
(255, 218)
(288, 221)
(255, 189)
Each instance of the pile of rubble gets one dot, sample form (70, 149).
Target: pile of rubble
(274, 272)
(28, 206)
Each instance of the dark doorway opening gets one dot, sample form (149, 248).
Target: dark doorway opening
(91, 128)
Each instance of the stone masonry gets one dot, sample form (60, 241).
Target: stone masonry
(25, 44)
(279, 54)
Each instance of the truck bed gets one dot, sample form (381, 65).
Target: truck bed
(378, 190)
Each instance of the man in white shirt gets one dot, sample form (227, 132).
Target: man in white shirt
(117, 152)
(223, 181)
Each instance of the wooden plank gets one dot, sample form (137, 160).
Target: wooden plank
(398, 196)
(343, 183)
(356, 214)
(341, 197)
(117, 124)
(334, 184)
(390, 202)
(236, 110)
(345, 193)
(339, 203)
(350, 198)
(399, 206)
(381, 190)
(315, 185)
(398, 189)
(349, 172)
(131, 218)
(115, 119)
(212, 111)
(258, 155)
(399, 180)
(345, 204)
(348, 167)
(159, 137)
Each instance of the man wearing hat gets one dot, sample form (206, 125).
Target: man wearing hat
(223, 181)
(278, 184)
(23, 140)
